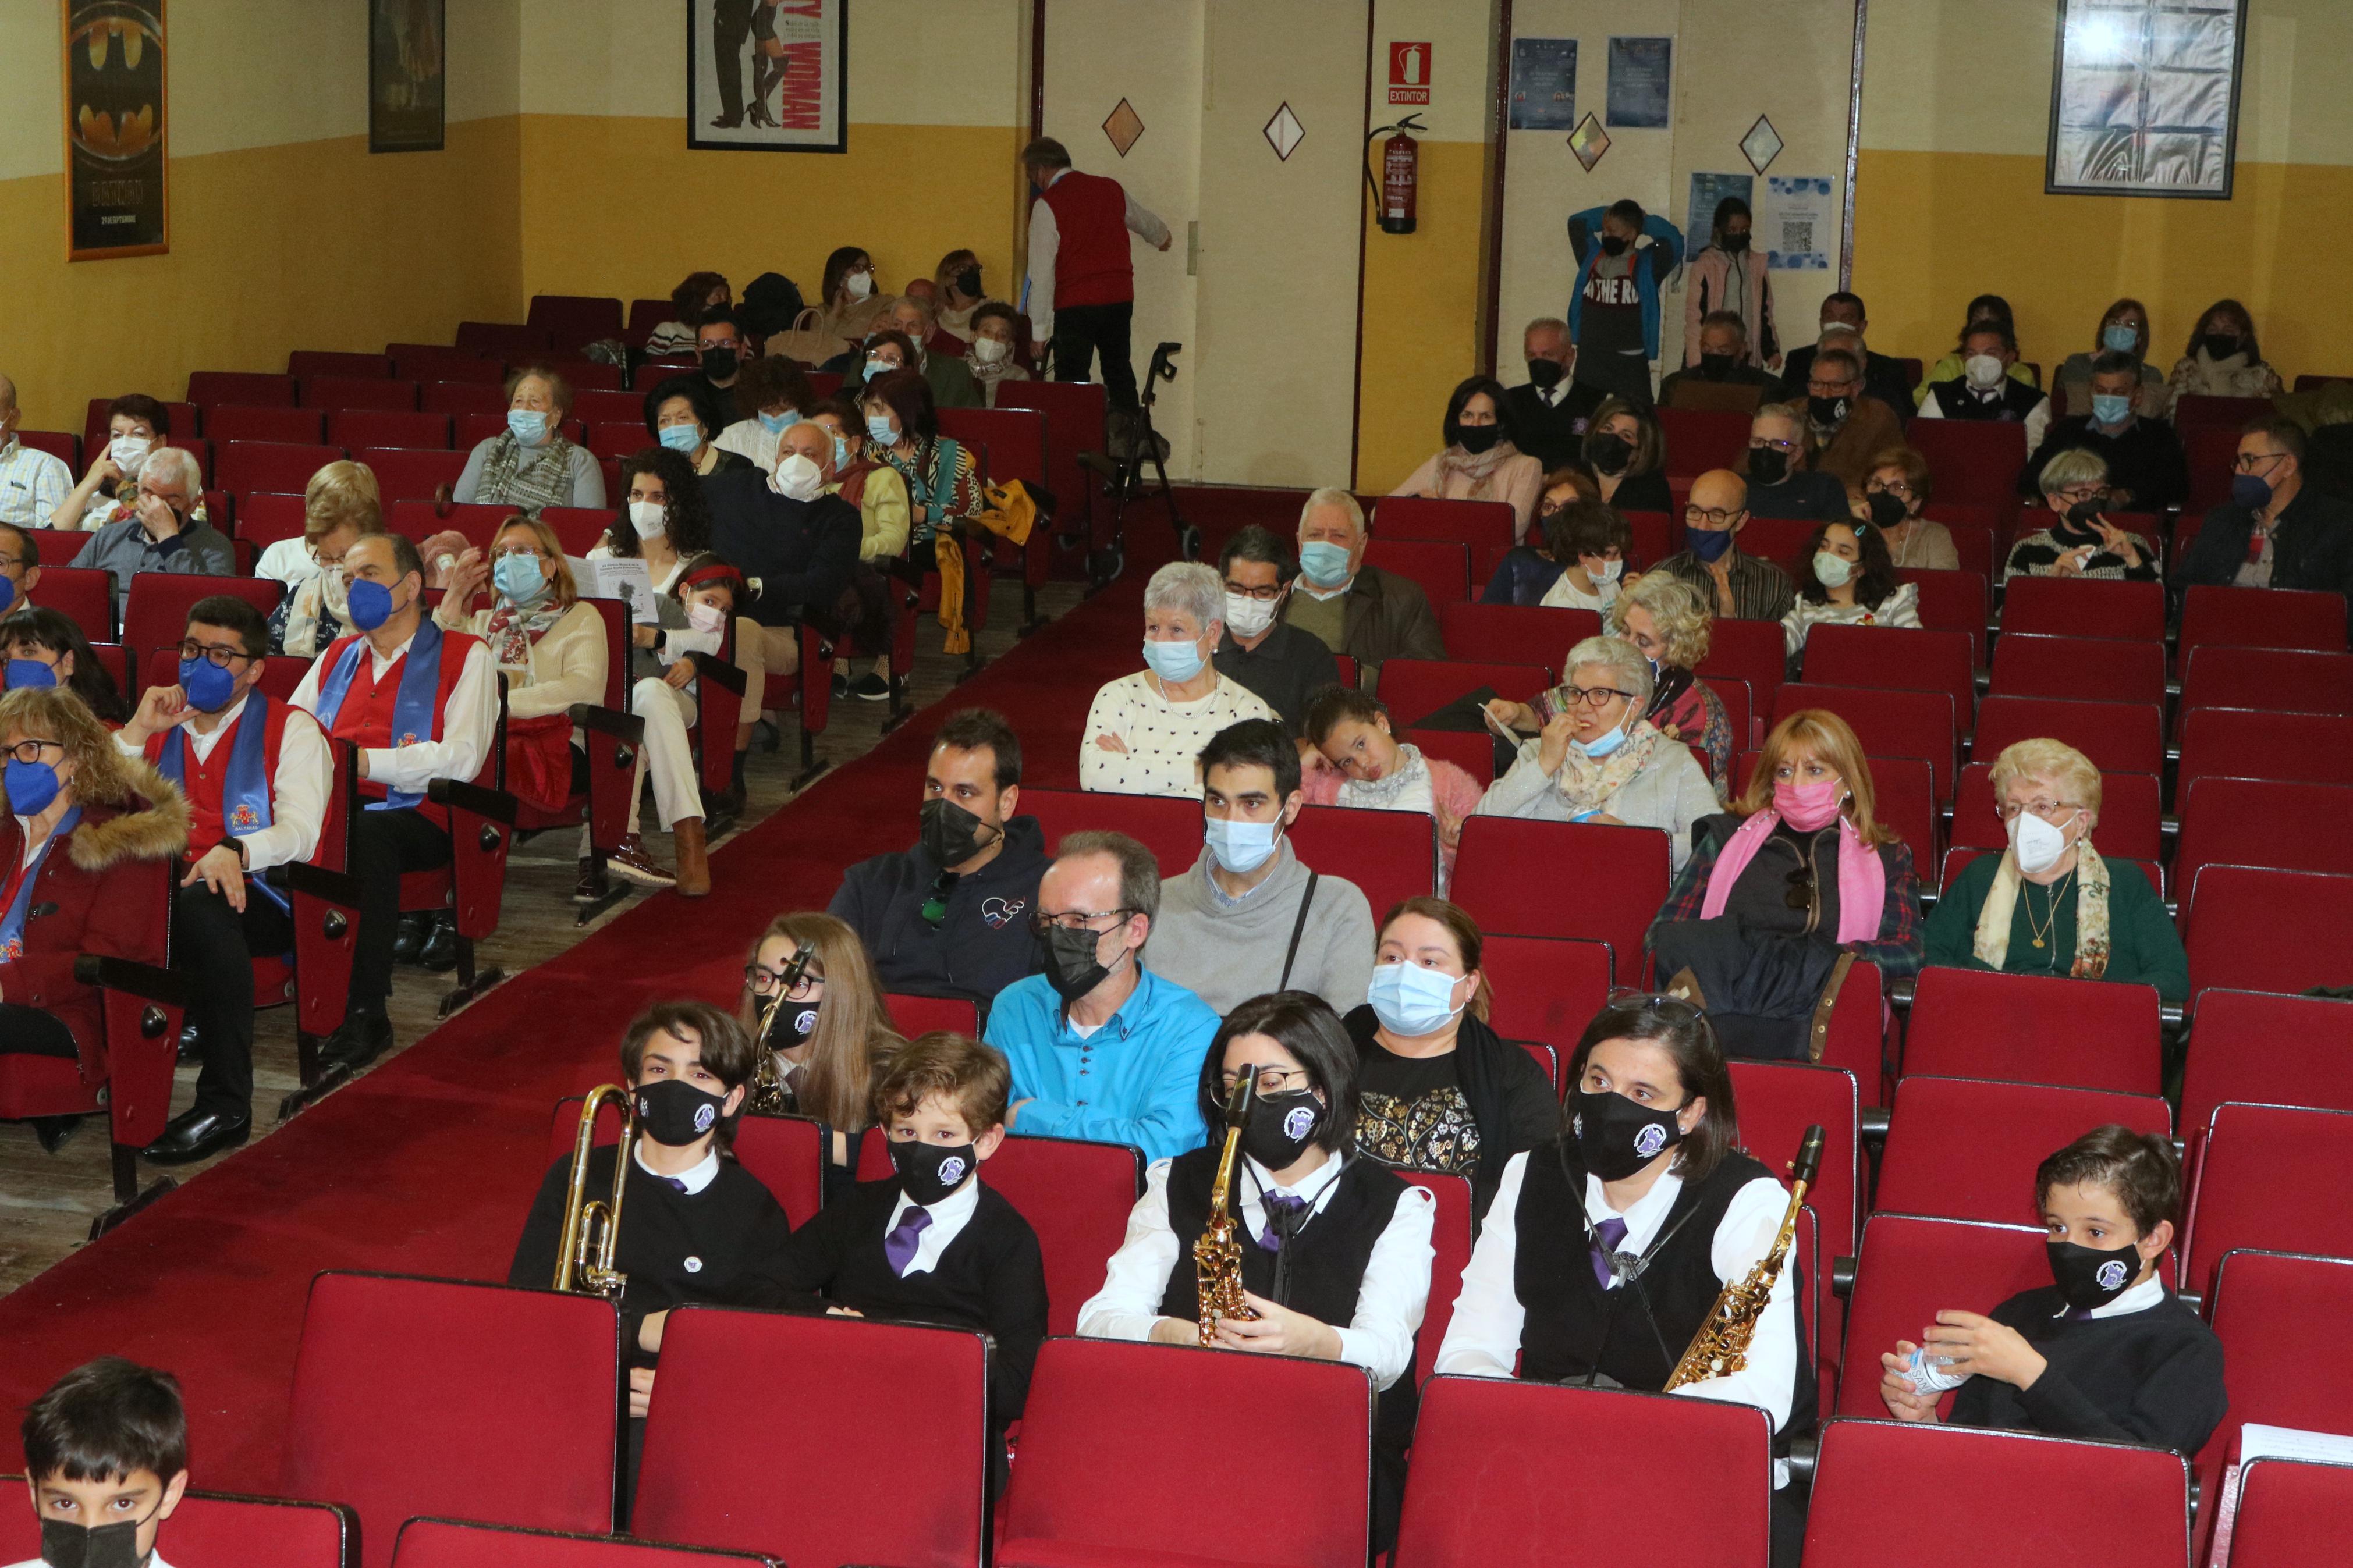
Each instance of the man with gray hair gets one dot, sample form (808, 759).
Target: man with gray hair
(1098, 1046)
(162, 533)
(32, 484)
(1550, 413)
(1370, 614)
(1144, 730)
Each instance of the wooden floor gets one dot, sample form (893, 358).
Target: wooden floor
(46, 1201)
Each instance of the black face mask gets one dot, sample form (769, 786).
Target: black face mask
(968, 282)
(1734, 244)
(2089, 1278)
(1767, 465)
(950, 834)
(675, 1113)
(1613, 245)
(1887, 509)
(2081, 514)
(1476, 439)
(790, 1025)
(1071, 967)
(65, 1544)
(930, 1171)
(1827, 410)
(721, 363)
(1617, 1137)
(1610, 454)
(1544, 374)
(2218, 345)
(1281, 1128)
(1716, 367)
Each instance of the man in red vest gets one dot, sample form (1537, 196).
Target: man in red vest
(256, 772)
(1082, 288)
(421, 704)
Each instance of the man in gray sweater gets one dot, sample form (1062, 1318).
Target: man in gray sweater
(1248, 918)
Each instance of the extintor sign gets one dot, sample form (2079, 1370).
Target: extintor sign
(1409, 73)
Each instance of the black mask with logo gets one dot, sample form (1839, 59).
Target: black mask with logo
(1826, 412)
(930, 1171)
(2088, 1277)
(674, 1113)
(1616, 1137)
(790, 1025)
(950, 835)
(1281, 1127)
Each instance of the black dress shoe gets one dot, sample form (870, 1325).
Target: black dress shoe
(55, 1132)
(192, 1043)
(439, 956)
(409, 940)
(358, 1040)
(197, 1135)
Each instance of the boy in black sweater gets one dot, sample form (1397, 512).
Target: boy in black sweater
(934, 1245)
(2108, 1351)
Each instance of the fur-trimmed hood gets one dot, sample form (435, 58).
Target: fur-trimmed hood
(151, 826)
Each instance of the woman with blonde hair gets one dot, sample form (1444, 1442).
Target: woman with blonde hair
(1668, 621)
(341, 505)
(811, 1001)
(2049, 904)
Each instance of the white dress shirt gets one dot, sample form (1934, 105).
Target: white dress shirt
(287, 560)
(2037, 421)
(704, 1170)
(33, 485)
(467, 726)
(2140, 1299)
(949, 1217)
(1389, 1303)
(1046, 242)
(297, 790)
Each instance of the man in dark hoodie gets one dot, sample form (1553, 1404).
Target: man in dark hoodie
(951, 916)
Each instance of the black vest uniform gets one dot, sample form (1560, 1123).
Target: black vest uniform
(1573, 1327)
(2017, 401)
(1324, 1272)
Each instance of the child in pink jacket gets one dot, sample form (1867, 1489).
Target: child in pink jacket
(1353, 757)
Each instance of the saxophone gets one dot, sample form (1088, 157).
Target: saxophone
(1721, 1346)
(767, 1096)
(1216, 1255)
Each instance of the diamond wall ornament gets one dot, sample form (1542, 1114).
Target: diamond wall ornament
(1284, 132)
(1761, 145)
(1589, 142)
(1123, 125)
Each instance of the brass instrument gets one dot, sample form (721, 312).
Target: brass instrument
(768, 1095)
(1216, 1255)
(592, 1229)
(1721, 1346)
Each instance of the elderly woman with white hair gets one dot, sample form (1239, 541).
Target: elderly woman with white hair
(1669, 623)
(1595, 758)
(1145, 732)
(2080, 542)
(2049, 904)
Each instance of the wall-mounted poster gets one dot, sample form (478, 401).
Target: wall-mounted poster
(114, 129)
(1797, 223)
(2145, 98)
(768, 76)
(405, 66)
(1543, 84)
(1642, 74)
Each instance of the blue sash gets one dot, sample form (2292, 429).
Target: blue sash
(12, 919)
(245, 784)
(416, 711)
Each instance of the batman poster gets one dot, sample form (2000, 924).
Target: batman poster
(114, 81)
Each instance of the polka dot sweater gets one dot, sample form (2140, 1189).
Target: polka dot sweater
(1163, 738)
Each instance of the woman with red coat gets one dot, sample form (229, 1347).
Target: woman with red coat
(84, 824)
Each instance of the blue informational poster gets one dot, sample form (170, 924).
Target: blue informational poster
(1543, 84)
(1797, 223)
(1641, 77)
(1699, 217)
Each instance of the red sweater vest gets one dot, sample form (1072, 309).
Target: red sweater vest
(203, 779)
(1092, 264)
(365, 718)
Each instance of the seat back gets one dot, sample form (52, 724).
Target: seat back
(1075, 414)
(264, 517)
(788, 1153)
(358, 391)
(1753, 651)
(1093, 1481)
(83, 595)
(854, 1402)
(1544, 988)
(913, 1015)
(1777, 1102)
(2312, 748)
(1450, 1244)
(1169, 825)
(1563, 878)
(1974, 460)
(2287, 680)
(1953, 602)
(358, 427)
(1442, 567)
(463, 386)
(574, 321)
(2035, 1029)
(1889, 724)
(156, 613)
(1490, 1458)
(1076, 1194)
(1472, 751)
(210, 1527)
(2263, 821)
(2265, 1307)
(407, 1392)
(212, 388)
(1390, 856)
(1514, 634)
(420, 521)
(411, 473)
(2267, 1178)
(2266, 930)
(1414, 688)
(247, 422)
(1912, 1267)
(2290, 1514)
(2247, 1045)
(2118, 737)
(1896, 657)
(453, 1543)
(579, 529)
(2262, 617)
(285, 466)
(1484, 525)
(1967, 1148)
(1699, 439)
(2132, 814)
(2105, 670)
(2084, 608)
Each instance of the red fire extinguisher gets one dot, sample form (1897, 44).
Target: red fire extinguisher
(1400, 175)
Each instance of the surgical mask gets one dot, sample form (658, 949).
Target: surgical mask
(30, 674)
(674, 1113)
(1174, 662)
(881, 429)
(1608, 572)
(1833, 570)
(1827, 411)
(930, 1171)
(949, 834)
(989, 350)
(1716, 367)
(1767, 465)
(1708, 543)
(1613, 245)
(706, 619)
(1887, 510)
(65, 1544)
(2251, 490)
(968, 282)
(719, 364)
(800, 479)
(1325, 564)
(1809, 807)
(1411, 1001)
(2108, 408)
(31, 786)
(876, 368)
(1617, 1137)
(128, 452)
(519, 579)
(1610, 454)
(2088, 1277)
(1071, 967)
(1605, 743)
(650, 518)
(2118, 338)
(1544, 374)
(1245, 617)
(841, 453)
(1281, 1127)
(529, 425)
(370, 605)
(1984, 372)
(1240, 847)
(2036, 843)
(208, 685)
(858, 284)
(777, 423)
(680, 438)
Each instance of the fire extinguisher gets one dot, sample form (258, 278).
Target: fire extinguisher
(1400, 175)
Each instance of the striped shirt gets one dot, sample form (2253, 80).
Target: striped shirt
(1760, 590)
(32, 485)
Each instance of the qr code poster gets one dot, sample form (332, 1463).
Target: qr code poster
(1797, 223)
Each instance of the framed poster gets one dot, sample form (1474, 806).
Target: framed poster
(768, 76)
(2145, 98)
(1642, 73)
(114, 82)
(407, 65)
(1543, 84)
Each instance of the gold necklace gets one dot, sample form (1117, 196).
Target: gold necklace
(2047, 927)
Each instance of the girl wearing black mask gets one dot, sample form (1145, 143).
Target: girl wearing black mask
(1336, 1247)
(811, 1000)
(1604, 1251)
(1481, 460)
(2080, 541)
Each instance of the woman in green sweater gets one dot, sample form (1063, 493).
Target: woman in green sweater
(2048, 904)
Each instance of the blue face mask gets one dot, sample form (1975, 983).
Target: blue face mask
(1602, 745)
(840, 452)
(529, 425)
(28, 674)
(777, 423)
(32, 786)
(680, 438)
(520, 580)
(8, 593)
(1174, 662)
(1707, 544)
(2250, 490)
(1324, 564)
(876, 368)
(2109, 409)
(208, 685)
(881, 430)
(370, 605)
(1239, 846)
(2117, 338)
(1411, 1001)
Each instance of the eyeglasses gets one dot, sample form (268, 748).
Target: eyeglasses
(530, 551)
(10, 562)
(1267, 596)
(30, 750)
(2075, 493)
(1712, 517)
(2050, 811)
(1591, 695)
(1875, 485)
(1076, 920)
(191, 650)
(2254, 462)
(936, 897)
(1271, 1080)
(1785, 444)
(764, 981)
(1829, 388)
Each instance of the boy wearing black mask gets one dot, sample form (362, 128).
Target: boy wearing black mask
(106, 1461)
(933, 1244)
(2108, 1352)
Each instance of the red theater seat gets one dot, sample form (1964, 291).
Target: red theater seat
(243, 422)
(579, 529)
(210, 388)
(451, 1543)
(1889, 724)
(2118, 737)
(357, 427)
(2262, 617)
(2099, 670)
(1699, 439)
(1481, 524)
(2271, 822)
(1897, 658)
(1449, 1243)
(1912, 1267)
(2248, 1045)
(447, 393)
(2255, 930)
(359, 392)
(155, 614)
(1414, 688)
(2035, 1029)
(574, 321)
(1440, 568)
(1390, 856)
(1952, 602)
(2284, 680)
(1546, 988)
(1166, 825)
(1076, 1194)
(2265, 1307)
(2084, 608)
(284, 466)
(1514, 634)
(1967, 1148)
(404, 474)
(314, 361)
(1576, 879)
(1975, 462)
(1753, 651)
(788, 1153)
(1777, 1102)
(2267, 1178)
(83, 595)
(2235, 742)
(2288, 1513)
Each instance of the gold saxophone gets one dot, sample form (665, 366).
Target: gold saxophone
(592, 1228)
(1216, 1255)
(767, 1097)
(1721, 1346)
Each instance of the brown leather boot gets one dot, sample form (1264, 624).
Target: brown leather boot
(694, 865)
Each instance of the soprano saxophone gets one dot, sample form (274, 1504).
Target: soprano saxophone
(1216, 1255)
(1721, 1346)
(767, 1097)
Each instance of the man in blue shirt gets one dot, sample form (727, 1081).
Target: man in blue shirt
(1100, 1046)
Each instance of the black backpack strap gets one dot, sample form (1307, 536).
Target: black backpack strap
(1298, 928)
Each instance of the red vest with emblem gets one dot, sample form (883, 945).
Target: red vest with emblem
(365, 718)
(1092, 263)
(203, 783)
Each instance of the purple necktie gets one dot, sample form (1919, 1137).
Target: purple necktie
(1606, 1237)
(2079, 1314)
(899, 1246)
(1289, 1209)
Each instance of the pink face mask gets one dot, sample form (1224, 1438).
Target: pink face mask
(1811, 806)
